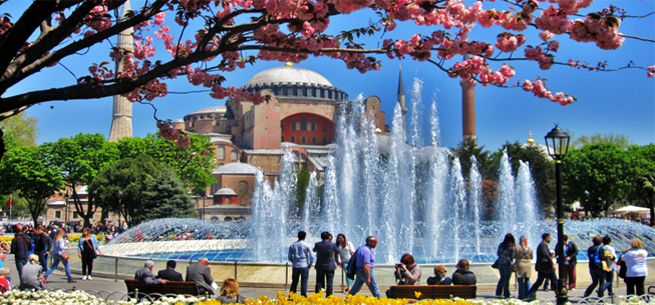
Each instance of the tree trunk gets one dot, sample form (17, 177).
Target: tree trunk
(651, 206)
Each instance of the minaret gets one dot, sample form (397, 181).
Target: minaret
(468, 108)
(401, 96)
(121, 124)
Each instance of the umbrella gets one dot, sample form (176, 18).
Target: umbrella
(632, 209)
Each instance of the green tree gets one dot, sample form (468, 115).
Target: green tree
(80, 159)
(622, 142)
(643, 159)
(487, 166)
(22, 128)
(130, 176)
(193, 166)
(28, 170)
(166, 197)
(603, 170)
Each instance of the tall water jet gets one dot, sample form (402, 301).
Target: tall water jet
(505, 200)
(475, 202)
(457, 205)
(311, 204)
(526, 202)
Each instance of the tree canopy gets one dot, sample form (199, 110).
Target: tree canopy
(22, 128)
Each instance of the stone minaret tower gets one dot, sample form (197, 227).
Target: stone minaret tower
(121, 124)
(401, 96)
(468, 109)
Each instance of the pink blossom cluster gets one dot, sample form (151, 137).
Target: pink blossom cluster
(477, 65)
(167, 131)
(450, 48)
(553, 20)
(538, 87)
(517, 22)
(536, 53)
(508, 42)
(98, 19)
(602, 30)
(650, 71)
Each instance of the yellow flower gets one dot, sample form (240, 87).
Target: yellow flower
(417, 294)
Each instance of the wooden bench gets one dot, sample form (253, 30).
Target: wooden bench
(433, 291)
(172, 287)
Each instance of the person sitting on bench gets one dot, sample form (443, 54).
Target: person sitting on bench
(463, 276)
(169, 273)
(440, 277)
(146, 274)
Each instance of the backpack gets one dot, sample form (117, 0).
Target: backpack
(352, 266)
(595, 257)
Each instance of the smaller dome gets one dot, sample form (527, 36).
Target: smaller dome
(236, 168)
(225, 191)
(215, 109)
(178, 120)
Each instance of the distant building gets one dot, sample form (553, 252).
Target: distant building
(300, 116)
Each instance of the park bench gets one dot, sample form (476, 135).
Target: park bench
(172, 287)
(433, 291)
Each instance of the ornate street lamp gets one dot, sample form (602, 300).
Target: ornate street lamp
(557, 142)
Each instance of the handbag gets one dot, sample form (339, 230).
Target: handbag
(623, 270)
(65, 256)
(495, 264)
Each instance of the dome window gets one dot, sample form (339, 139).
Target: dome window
(292, 139)
(303, 139)
(303, 123)
(220, 152)
(234, 155)
(314, 141)
(293, 125)
(282, 139)
(313, 126)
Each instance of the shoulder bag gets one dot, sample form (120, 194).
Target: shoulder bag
(95, 255)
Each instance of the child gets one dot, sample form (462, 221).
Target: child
(552, 285)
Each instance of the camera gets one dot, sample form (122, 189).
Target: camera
(399, 266)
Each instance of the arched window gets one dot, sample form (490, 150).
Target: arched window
(220, 152)
(226, 201)
(227, 218)
(314, 140)
(324, 128)
(234, 155)
(214, 219)
(292, 139)
(293, 125)
(303, 124)
(313, 126)
(303, 139)
(325, 141)
(282, 126)
(282, 139)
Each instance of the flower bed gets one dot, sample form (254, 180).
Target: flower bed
(79, 297)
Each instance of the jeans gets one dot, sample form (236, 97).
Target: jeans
(609, 279)
(553, 284)
(19, 266)
(87, 262)
(42, 259)
(503, 282)
(635, 282)
(597, 279)
(55, 264)
(349, 282)
(324, 278)
(542, 276)
(360, 280)
(303, 274)
(524, 286)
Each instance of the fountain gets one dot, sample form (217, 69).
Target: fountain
(414, 198)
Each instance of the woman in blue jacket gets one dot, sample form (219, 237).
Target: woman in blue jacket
(87, 251)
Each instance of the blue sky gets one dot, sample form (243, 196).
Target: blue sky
(618, 102)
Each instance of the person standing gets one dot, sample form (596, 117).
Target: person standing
(302, 258)
(21, 246)
(570, 261)
(87, 251)
(635, 261)
(202, 275)
(326, 252)
(365, 264)
(41, 245)
(523, 256)
(608, 260)
(543, 266)
(504, 252)
(346, 250)
(60, 253)
(596, 270)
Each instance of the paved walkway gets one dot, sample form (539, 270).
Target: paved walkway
(58, 280)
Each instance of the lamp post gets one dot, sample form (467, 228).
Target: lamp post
(557, 142)
(66, 196)
(203, 195)
(120, 210)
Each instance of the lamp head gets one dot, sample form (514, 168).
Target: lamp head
(557, 141)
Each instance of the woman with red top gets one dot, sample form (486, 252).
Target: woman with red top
(4, 284)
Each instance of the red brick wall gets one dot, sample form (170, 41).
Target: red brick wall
(318, 133)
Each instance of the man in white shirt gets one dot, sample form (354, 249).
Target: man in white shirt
(300, 254)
